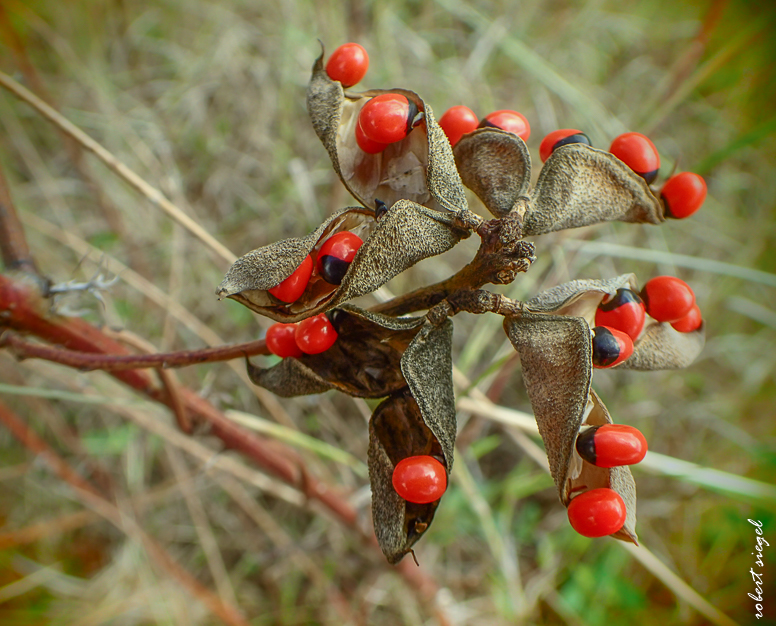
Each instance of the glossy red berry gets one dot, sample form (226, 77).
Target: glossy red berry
(690, 322)
(610, 347)
(511, 121)
(683, 194)
(612, 445)
(292, 287)
(315, 334)
(335, 256)
(667, 298)
(281, 340)
(387, 118)
(597, 513)
(559, 138)
(348, 64)
(625, 312)
(457, 121)
(366, 144)
(638, 153)
(420, 479)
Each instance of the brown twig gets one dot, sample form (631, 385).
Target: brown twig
(87, 362)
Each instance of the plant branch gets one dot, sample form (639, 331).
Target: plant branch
(13, 243)
(87, 362)
(501, 256)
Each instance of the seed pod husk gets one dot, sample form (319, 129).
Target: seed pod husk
(495, 165)
(661, 347)
(556, 358)
(417, 420)
(419, 168)
(364, 362)
(580, 186)
(405, 234)
(658, 347)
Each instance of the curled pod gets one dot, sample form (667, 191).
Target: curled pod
(657, 347)
(556, 359)
(419, 167)
(580, 186)
(495, 165)
(364, 362)
(405, 234)
(418, 420)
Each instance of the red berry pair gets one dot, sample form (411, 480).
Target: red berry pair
(348, 64)
(610, 347)
(311, 336)
(669, 299)
(460, 120)
(385, 119)
(420, 479)
(559, 138)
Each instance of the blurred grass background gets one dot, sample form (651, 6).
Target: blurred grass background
(206, 100)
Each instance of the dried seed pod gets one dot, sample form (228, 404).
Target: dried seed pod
(364, 362)
(658, 347)
(661, 347)
(420, 167)
(417, 420)
(580, 186)
(556, 359)
(405, 234)
(495, 165)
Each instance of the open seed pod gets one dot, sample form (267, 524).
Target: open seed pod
(365, 361)
(420, 167)
(580, 186)
(407, 233)
(495, 165)
(658, 347)
(556, 359)
(419, 420)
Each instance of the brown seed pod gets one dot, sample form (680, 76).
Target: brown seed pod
(365, 361)
(659, 347)
(417, 420)
(405, 234)
(580, 186)
(419, 168)
(556, 359)
(495, 165)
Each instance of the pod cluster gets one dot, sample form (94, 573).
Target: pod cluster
(407, 172)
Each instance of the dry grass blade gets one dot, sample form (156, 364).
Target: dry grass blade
(151, 193)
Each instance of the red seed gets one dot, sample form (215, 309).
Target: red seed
(420, 479)
(683, 194)
(511, 121)
(559, 138)
(281, 340)
(625, 312)
(610, 347)
(611, 445)
(667, 298)
(315, 334)
(690, 322)
(457, 121)
(387, 118)
(638, 153)
(336, 254)
(348, 64)
(292, 287)
(597, 513)
(366, 144)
